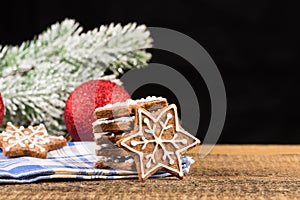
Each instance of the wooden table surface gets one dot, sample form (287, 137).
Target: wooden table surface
(228, 172)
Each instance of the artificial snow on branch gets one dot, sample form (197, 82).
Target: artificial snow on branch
(37, 77)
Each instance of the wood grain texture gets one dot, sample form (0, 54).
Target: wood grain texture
(229, 172)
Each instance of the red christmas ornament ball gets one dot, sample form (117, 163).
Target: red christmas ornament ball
(80, 106)
(1, 110)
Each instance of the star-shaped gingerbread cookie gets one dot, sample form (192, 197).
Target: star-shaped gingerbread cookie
(158, 141)
(31, 141)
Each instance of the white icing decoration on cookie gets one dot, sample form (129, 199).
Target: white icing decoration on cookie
(99, 135)
(158, 141)
(149, 98)
(130, 160)
(130, 102)
(116, 159)
(118, 104)
(101, 158)
(120, 119)
(152, 164)
(103, 146)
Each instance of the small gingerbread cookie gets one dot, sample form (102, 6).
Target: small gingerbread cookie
(158, 142)
(31, 141)
(112, 151)
(108, 137)
(128, 108)
(118, 124)
(117, 162)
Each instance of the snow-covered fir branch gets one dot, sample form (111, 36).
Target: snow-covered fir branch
(37, 77)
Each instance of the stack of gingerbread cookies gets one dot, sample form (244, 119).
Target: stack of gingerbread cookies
(113, 122)
(143, 135)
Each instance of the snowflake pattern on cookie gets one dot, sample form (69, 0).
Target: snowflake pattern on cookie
(31, 141)
(159, 141)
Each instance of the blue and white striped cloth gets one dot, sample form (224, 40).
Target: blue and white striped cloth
(73, 161)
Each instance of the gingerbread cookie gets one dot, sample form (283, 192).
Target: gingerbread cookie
(128, 108)
(108, 137)
(121, 163)
(31, 141)
(158, 142)
(118, 124)
(112, 151)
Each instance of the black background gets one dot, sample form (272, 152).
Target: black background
(255, 45)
